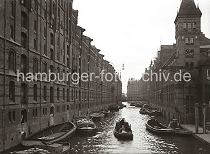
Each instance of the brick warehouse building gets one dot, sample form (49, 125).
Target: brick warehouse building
(191, 53)
(42, 35)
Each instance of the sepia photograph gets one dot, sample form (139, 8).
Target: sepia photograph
(104, 76)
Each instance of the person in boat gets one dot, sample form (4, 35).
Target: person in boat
(122, 128)
(174, 124)
(122, 121)
(127, 127)
(120, 124)
(154, 121)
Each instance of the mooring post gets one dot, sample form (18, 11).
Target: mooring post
(196, 118)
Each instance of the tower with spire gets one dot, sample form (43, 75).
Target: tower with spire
(188, 30)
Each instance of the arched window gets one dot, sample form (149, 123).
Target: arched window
(24, 20)
(68, 63)
(45, 49)
(51, 95)
(10, 116)
(12, 32)
(12, 60)
(68, 95)
(35, 66)
(24, 93)
(58, 94)
(54, 8)
(14, 115)
(24, 40)
(23, 116)
(52, 70)
(51, 54)
(12, 91)
(13, 8)
(72, 94)
(45, 93)
(44, 67)
(35, 92)
(51, 39)
(64, 94)
(23, 64)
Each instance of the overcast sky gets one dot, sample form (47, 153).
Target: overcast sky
(130, 32)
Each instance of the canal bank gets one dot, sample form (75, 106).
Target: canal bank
(143, 141)
(205, 138)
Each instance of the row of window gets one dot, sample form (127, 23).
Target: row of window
(24, 92)
(189, 25)
(12, 63)
(24, 24)
(35, 111)
(12, 113)
(189, 41)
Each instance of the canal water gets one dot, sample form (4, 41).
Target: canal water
(143, 142)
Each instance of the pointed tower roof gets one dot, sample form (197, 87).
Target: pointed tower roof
(188, 9)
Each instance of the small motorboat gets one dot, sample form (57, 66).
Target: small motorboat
(154, 113)
(51, 135)
(54, 148)
(97, 116)
(85, 125)
(123, 131)
(87, 128)
(156, 127)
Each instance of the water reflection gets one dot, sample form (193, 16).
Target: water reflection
(143, 141)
